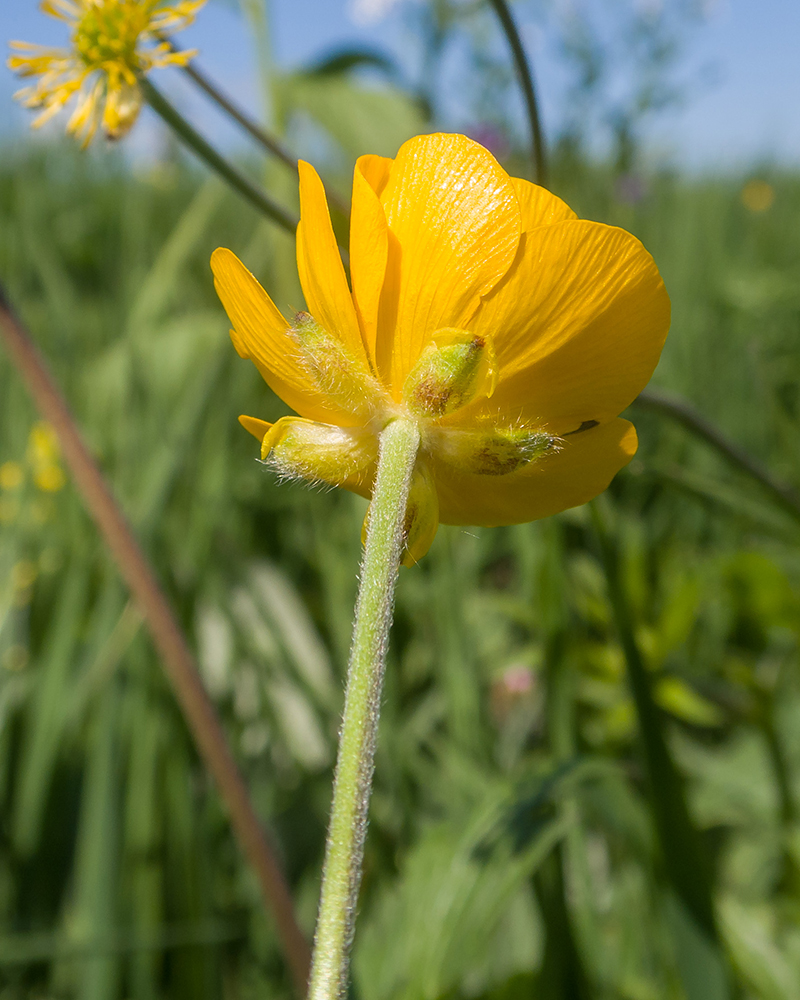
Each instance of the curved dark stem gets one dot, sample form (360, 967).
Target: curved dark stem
(662, 402)
(539, 157)
(201, 148)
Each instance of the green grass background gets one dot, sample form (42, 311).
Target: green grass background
(510, 836)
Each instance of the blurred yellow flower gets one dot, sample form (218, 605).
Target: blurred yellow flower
(758, 196)
(43, 458)
(112, 42)
(50, 478)
(480, 306)
(12, 475)
(42, 444)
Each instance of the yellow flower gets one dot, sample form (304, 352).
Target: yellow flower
(513, 332)
(112, 42)
(758, 196)
(12, 475)
(43, 458)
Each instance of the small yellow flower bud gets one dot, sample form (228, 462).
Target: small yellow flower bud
(455, 368)
(333, 369)
(43, 445)
(50, 478)
(322, 453)
(495, 452)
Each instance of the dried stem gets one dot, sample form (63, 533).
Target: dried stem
(167, 637)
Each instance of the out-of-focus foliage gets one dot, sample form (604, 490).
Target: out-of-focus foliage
(510, 831)
(118, 874)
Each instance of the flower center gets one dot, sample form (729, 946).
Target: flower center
(109, 33)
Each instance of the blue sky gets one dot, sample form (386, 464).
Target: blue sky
(743, 108)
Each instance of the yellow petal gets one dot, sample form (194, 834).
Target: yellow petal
(368, 251)
(375, 170)
(573, 475)
(454, 227)
(538, 207)
(258, 428)
(578, 326)
(320, 267)
(261, 334)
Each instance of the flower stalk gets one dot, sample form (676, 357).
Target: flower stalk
(341, 878)
(271, 143)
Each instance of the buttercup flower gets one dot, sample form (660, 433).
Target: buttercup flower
(479, 306)
(111, 42)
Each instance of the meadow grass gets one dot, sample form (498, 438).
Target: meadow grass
(510, 834)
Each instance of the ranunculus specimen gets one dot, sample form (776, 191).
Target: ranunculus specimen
(480, 307)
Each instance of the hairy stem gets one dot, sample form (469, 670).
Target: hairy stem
(341, 875)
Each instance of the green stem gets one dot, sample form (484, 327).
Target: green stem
(264, 138)
(212, 158)
(341, 875)
(677, 408)
(562, 975)
(506, 19)
(685, 864)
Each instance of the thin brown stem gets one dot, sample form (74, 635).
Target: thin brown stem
(538, 154)
(685, 414)
(168, 639)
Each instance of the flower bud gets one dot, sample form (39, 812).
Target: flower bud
(492, 452)
(422, 515)
(318, 453)
(455, 368)
(333, 369)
